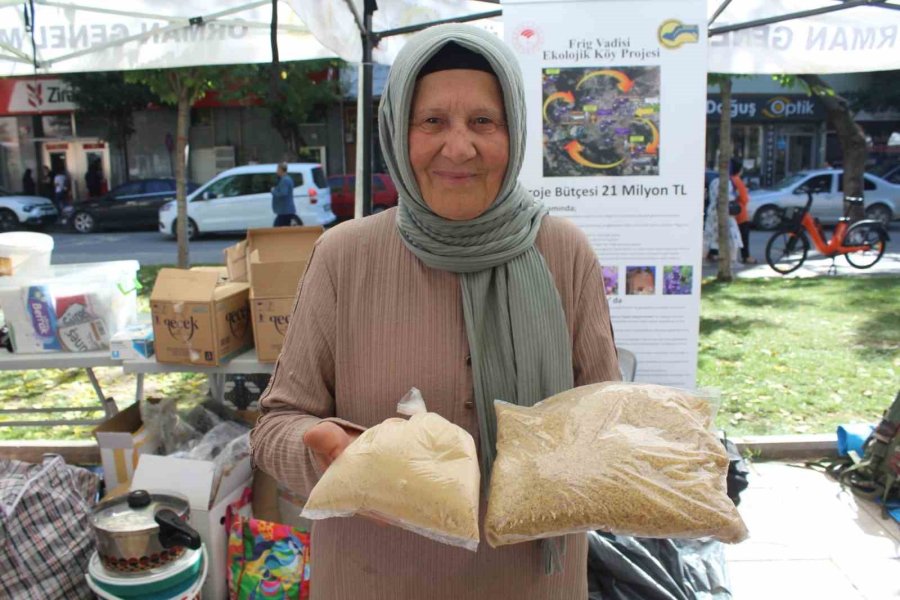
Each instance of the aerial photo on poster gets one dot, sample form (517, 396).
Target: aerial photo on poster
(601, 121)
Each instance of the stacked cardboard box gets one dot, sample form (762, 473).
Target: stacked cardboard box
(273, 261)
(200, 317)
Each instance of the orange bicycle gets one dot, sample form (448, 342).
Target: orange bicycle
(862, 243)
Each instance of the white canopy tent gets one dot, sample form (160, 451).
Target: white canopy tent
(65, 36)
(803, 36)
(746, 36)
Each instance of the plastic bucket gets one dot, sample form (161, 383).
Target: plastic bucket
(188, 589)
(25, 252)
(853, 437)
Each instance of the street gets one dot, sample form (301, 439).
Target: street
(147, 247)
(152, 248)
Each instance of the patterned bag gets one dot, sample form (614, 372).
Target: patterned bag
(45, 533)
(265, 559)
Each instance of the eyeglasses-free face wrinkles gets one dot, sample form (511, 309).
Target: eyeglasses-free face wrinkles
(458, 142)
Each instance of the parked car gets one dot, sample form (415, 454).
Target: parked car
(18, 210)
(132, 205)
(766, 205)
(889, 171)
(241, 198)
(343, 194)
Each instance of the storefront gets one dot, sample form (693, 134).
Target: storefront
(38, 128)
(775, 135)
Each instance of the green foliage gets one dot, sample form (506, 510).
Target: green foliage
(882, 93)
(167, 84)
(291, 91)
(108, 94)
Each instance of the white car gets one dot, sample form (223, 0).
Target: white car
(241, 198)
(17, 210)
(881, 198)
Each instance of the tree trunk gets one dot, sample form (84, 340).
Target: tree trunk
(181, 141)
(852, 139)
(725, 259)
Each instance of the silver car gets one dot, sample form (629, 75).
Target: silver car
(765, 207)
(18, 210)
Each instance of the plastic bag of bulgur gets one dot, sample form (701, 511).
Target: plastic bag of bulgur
(420, 474)
(625, 458)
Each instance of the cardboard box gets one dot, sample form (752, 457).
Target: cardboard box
(273, 261)
(199, 317)
(195, 479)
(122, 439)
(132, 342)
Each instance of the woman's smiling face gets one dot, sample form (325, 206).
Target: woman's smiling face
(458, 141)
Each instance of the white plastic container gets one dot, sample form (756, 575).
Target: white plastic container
(25, 252)
(69, 308)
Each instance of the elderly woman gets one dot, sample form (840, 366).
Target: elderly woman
(468, 291)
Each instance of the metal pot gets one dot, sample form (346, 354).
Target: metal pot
(141, 530)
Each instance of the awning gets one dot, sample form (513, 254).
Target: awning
(803, 36)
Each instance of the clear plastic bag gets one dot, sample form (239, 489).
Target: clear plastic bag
(420, 474)
(162, 421)
(626, 458)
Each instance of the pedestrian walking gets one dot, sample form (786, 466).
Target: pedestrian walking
(711, 225)
(28, 183)
(60, 189)
(736, 167)
(283, 198)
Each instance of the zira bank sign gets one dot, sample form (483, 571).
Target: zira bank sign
(35, 95)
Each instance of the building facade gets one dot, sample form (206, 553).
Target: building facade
(40, 126)
(778, 131)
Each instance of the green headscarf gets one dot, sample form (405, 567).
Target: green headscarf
(515, 324)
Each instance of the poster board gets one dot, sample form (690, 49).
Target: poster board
(616, 101)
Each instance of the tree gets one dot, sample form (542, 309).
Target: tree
(107, 94)
(850, 135)
(724, 271)
(882, 93)
(291, 91)
(181, 87)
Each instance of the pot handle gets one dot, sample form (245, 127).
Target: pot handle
(173, 531)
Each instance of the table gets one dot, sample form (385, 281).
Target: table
(243, 364)
(60, 360)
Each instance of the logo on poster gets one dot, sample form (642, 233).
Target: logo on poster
(674, 34)
(527, 38)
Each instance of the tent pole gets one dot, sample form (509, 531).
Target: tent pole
(365, 127)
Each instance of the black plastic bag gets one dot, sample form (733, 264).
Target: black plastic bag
(736, 480)
(628, 568)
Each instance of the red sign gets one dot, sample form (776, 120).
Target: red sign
(56, 146)
(94, 146)
(35, 95)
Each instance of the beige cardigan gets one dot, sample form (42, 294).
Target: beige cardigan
(371, 321)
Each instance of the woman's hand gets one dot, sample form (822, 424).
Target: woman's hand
(327, 441)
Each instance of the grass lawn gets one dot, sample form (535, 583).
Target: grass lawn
(800, 355)
(790, 356)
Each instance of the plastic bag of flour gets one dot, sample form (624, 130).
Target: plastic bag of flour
(625, 458)
(420, 474)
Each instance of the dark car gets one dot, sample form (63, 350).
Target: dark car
(132, 205)
(343, 194)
